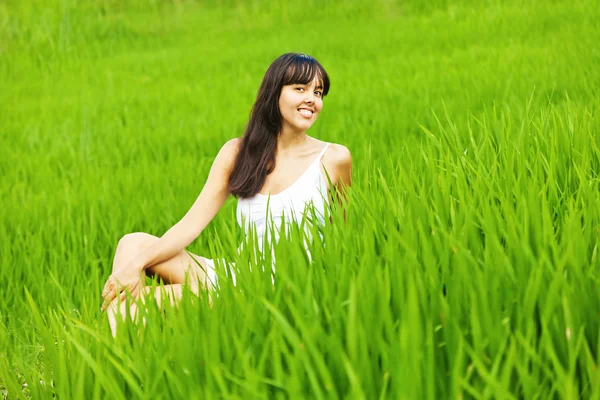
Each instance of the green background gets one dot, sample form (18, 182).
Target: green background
(468, 267)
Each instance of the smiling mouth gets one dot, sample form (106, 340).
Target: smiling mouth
(305, 113)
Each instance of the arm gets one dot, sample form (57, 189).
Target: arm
(341, 177)
(209, 202)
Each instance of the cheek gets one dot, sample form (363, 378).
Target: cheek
(319, 105)
(283, 105)
(286, 101)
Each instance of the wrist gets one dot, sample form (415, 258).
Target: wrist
(137, 265)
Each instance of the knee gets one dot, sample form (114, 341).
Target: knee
(136, 241)
(130, 245)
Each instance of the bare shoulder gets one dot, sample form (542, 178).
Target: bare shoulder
(338, 163)
(231, 147)
(338, 156)
(228, 153)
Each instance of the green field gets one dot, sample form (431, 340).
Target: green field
(468, 267)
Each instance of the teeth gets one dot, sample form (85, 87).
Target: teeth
(306, 113)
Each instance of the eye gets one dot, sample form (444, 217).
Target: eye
(319, 93)
(300, 89)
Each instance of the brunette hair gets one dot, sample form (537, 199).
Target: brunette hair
(256, 157)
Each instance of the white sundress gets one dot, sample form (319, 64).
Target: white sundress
(287, 206)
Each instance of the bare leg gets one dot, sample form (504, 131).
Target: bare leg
(173, 293)
(173, 271)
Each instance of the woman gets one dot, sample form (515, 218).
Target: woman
(275, 161)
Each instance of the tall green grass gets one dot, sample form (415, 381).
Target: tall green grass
(468, 267)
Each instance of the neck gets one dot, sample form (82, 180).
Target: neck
(289, 140)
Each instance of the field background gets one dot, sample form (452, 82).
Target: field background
(469, 264)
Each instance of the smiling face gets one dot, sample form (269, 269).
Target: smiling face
(299, 105)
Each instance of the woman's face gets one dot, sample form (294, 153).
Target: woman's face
(300, 105)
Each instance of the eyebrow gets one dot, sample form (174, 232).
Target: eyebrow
(319, 86)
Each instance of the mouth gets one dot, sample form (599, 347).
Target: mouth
(305, 112)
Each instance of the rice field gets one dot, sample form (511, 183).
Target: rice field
(468, 266)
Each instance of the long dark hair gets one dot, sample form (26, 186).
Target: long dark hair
(256, 157)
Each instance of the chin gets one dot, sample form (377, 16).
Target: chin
(305, 125)
(299, 125)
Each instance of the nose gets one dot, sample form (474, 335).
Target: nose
(310, 97)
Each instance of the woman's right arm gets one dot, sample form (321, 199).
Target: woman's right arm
(209, 202)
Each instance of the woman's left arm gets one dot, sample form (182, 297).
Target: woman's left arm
(341, 178)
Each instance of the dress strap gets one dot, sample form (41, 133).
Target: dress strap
(323, 151)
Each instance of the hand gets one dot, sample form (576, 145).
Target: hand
(123, 280)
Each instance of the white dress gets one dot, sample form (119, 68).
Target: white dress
(287, 207)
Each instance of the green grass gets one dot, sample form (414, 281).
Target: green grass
(469, 264)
